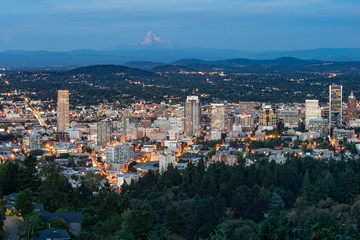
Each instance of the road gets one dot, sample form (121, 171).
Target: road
(34, 111)
(11, 224)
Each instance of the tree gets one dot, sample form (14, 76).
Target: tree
(132, 219)
(272, 229)
(37, 152)
(321, 231)
(29, 178)
(24, 202)
(306, 185)
(355, 212)
(276, 204)
(218, 234)
(9, 178)
(32, 224)
(131, 166)
(58, 223)
(55, 189)
(347, 186)
(174, 220)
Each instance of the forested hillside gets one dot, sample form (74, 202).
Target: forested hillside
(300, 199)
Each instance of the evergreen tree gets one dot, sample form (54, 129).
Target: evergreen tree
(24, 202)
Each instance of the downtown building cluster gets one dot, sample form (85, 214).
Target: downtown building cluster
(125, 142)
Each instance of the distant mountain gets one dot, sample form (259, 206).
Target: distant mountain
(325, 54)
(285, 64)
(145, 65)
(150, 41)
(240, 62)
(172, 69)
(148, 50)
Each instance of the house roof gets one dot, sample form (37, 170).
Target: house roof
(11, 196)
(69, 217)
(53, 233)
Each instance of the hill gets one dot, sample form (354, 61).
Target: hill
(284, 64)
(111, 70)
(84, 57)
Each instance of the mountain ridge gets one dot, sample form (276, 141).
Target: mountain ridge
(17, 59)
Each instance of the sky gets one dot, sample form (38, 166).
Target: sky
(249, 25)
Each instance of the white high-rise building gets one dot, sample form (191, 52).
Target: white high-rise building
(218, 120)
(312, 111)
(243, 122)
(192, 115)
(165, 159)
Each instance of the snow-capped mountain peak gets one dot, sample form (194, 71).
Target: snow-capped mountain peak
(152, 39)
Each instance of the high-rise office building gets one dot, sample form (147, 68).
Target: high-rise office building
(290, 118)
(244, 123)
(32, 141)
(63, 110)
(103, 132)
(192, 115)
(246, 108)
(165, 159)
(351, 112)
(218, 120)
(267, 119)
(335, 106)
(312, 111)
(119, 155)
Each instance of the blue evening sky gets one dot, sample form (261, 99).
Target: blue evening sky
(250, 25)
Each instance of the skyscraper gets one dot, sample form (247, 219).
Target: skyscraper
(192, 115)
(335, 106)
(103, 132)
(218, 120)
(63, 110)
(312, 111)
(246, 108)
(351, 112)
(290, 118)
(267, 119)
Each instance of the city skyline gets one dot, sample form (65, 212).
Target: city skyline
(179, 149)
(227, 120)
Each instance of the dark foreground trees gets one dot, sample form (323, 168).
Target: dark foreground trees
(300, 199)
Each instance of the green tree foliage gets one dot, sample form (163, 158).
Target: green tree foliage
(131, 166)
(24, 202)
(9, 178)
(32, 224)
(57, 223)
(54, 192)
(136, 224)
(262, 201)
(29, 177)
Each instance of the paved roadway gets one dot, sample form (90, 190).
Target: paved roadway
(11, 224)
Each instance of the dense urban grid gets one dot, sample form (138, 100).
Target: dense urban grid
(190, 166)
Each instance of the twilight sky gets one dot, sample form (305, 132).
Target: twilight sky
(251, 25)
